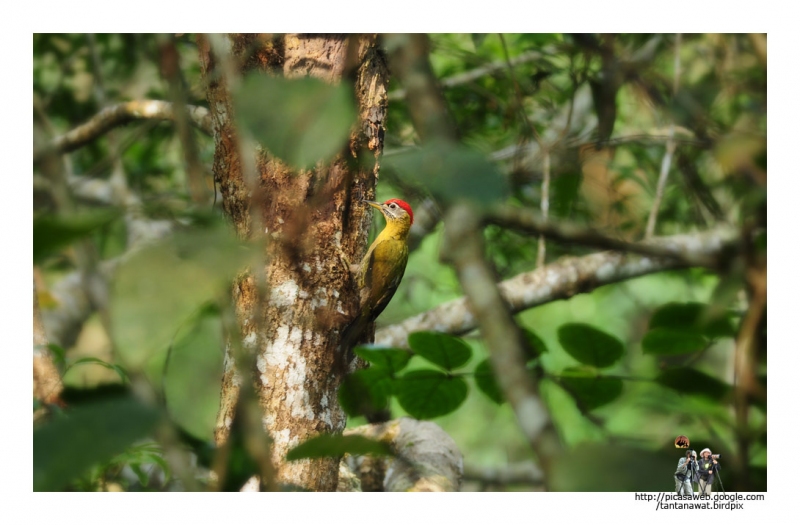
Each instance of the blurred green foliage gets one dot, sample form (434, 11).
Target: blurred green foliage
(623, 369)
(68, 446)
(302, 121)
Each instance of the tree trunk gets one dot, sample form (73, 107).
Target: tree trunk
(310, 218)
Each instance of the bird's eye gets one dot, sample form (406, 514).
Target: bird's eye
(393, 205)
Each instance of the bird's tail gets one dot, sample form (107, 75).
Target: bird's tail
(351, 337)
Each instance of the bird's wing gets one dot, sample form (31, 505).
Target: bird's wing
(382, 273)
(388, 293)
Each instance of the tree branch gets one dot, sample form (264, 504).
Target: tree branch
(545, 206)
(117, 115)
(170, 70)
(527, 473)
(47, 384)
(670, 150)
(426, 217)
(559, 280)
(528, 222)
(427, 459)
(463, 249)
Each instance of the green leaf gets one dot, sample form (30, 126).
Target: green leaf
(487, 383)
(589, 389)
(443, 350)
(537, 346)
(328, 445)
(694, 318)
(426, 394)
(140, 474)
(58, 353)
(392, 359)
(665, 341)
(690, 381)
(302, 120)
(676, 316)
(365, 391)
(589, 345)
(162, 463)
(93, 360)
(164, 285)
(191, 383)
(451, 173)
(87, 435)
(51, 233)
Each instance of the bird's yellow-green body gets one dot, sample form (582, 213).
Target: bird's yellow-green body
(382, 268)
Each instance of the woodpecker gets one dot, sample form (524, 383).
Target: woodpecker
(381, 269)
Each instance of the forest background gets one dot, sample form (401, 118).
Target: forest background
(565, 144)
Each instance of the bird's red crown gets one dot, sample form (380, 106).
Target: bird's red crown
(404, 205)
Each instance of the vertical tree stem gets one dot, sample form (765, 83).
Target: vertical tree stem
(667, 160)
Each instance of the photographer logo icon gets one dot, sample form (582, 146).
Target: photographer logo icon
(681, 442)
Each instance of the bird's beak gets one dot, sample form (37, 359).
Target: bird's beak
(373, 204)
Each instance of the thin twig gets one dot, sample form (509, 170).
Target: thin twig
(667, 160)
(170, 69)
(540, 255)
(580, 142)
(748, 341)
(518, 94)
(474, 74)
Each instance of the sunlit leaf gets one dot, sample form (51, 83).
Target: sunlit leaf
(327, 445)
(443, 350)
(487, 383)
(666, 341)
(68, 446)
(426, 394)
(302, 120)
(391, 359)
(589, 345)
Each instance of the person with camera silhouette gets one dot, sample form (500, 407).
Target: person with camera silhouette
(686, 473)
(709, 467)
